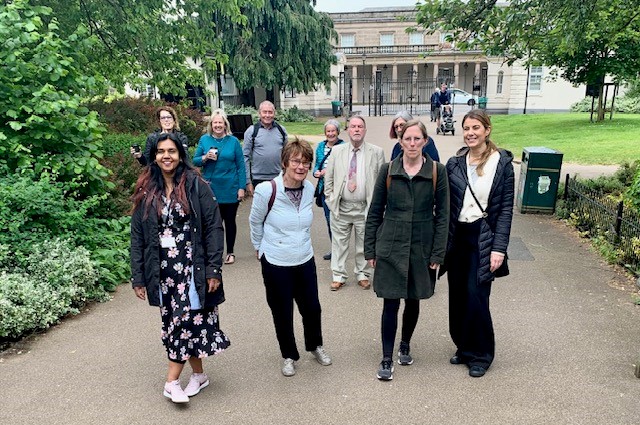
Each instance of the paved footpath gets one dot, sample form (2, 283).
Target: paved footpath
(566, 329)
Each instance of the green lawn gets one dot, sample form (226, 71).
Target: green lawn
(582, 142)
(305, 128)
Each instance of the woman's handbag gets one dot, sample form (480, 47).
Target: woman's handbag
(317, 193)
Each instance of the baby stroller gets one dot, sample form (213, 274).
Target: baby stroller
(446, 122)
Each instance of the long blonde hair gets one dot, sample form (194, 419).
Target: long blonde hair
(485, 120)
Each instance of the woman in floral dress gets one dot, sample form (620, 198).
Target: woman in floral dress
(176, 257)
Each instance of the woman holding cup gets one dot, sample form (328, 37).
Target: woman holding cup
(220, 155)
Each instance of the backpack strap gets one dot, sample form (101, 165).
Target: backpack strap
(272, 199)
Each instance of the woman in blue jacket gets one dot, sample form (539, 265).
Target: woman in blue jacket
(398, 123)
(332, 133)
(220, 155)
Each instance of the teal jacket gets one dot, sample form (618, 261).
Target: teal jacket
(226, 175)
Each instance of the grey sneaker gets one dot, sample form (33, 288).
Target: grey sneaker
(288, 367)
(385, 372)
(404, 358)
(321, 356)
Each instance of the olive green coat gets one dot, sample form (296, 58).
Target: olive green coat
(406, 229)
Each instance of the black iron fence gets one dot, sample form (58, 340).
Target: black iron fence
(604, 216)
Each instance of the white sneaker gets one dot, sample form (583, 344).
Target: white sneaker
(288, 367)
(197, 382)
(321, 356)
(174, 391)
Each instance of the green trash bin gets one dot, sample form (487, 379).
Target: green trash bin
(336, 108)
(482, 102)
(539, 179)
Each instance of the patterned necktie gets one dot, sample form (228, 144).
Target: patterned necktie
(353, 171)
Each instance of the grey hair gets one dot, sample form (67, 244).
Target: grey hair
(332, 122)
(405, 115)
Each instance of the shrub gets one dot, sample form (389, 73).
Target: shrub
(56, 281)
(626, 105)
(243, 110)
(294, 114)
(125, 171)
(34, 211)
(632, 195)
(138, 116)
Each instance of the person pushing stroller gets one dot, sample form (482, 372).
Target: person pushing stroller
(444, 98)
(447, 125)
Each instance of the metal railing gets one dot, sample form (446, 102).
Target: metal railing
(601, 215)
(397, 50)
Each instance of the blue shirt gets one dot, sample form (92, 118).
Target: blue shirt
(226, 175)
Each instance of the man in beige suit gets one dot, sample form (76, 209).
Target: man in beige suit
(351, 173)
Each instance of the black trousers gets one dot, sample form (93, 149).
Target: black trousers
(390, 322)
(470, 323)
(228, 214)
(283, 285)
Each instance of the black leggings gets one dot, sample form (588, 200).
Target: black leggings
(390, 322)
(228, 213)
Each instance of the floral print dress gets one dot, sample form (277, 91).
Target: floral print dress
(186, 332)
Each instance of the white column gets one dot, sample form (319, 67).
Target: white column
(354, 84)
(435, 73)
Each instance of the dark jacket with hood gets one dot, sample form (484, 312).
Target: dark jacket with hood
(207, 238)
(495, 230)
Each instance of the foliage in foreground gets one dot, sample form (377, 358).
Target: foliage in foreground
(594, 217)
(56, 279)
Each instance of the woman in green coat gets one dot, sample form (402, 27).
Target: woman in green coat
(406, 238)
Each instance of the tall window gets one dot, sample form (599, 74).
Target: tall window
(386, 41)
(347, 41)
(500, 82)
(416, 38)
(535, 79)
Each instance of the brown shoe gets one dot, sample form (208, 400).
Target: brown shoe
(336, 285)
(364, 283)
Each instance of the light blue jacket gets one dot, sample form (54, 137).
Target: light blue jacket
(284, 236)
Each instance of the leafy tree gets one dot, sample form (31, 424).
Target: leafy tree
(286, 43)
(150, 41)
(44, 128)
(585, 39)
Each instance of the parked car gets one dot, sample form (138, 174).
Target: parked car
(460, 97)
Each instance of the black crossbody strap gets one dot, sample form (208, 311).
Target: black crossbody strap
(484, 213)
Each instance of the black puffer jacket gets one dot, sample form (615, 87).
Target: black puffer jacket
(207, 238)
(494, 235)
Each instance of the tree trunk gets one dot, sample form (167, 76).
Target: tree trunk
(601, 104)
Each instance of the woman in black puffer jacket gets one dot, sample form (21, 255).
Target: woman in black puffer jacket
(481, 185)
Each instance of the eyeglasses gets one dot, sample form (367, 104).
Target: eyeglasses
(296, 163)
(166, 118)
(398, 126)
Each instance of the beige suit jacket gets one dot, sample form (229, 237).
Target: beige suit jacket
(337, 173)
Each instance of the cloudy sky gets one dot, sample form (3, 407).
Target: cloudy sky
(356, 5)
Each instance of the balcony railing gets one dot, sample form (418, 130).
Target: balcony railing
(396, 50)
